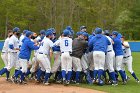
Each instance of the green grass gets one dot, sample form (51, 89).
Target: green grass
(131, 87)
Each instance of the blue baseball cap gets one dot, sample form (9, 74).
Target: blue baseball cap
(49, 32)
(24, 31)
(53, 30)
(85, 34)
(115, 33)
(79, 33)
(16, 29)
(66, 32)
(69, 28)
(42, 32)
(28, 33)
(98, 30)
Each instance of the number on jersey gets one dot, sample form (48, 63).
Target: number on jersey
(66, 42)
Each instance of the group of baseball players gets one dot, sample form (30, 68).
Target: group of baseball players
(99, 58)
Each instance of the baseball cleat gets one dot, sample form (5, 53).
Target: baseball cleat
(137, 81)
(67, 82)
(127, 78)
(22, 82)
(8, 79)
(124, 82)
(46, 83)
(114, 83)
(64, 82)
(100, 83)
(59, 81)
(14, 80)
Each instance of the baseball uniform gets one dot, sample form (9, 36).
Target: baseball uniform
(24, 56)
(127, 60)
(65, 44)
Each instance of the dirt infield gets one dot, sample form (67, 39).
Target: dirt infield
(6, 87)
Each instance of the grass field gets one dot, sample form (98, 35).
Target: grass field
(131, 87)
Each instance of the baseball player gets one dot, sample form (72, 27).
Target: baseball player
(110, 56)
(24, 56)
(83, 28)
(32, 64)
(43, 57)
(118, 55)
(57, 60)
(4, 54)
(78, 46)
(22, 37)
(127, 58)
(84, 61)
(99, 44)
(65, 44)
(41, 36)
(12, 53)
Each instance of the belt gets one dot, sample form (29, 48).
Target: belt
(13, 52)
(126, 57)
(42, 53)
(109, 51)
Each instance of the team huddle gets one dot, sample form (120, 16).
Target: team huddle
(99, 58)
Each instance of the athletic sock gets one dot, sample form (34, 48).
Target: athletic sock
(4, 70)
(19, 72)
(77, 76)
(39, 73)
(88, 78)
(16, 71)
(7, 74)
(100, 73)
(63, 74)
(47, 75)
(28, 72)
(60, 75)
(134, 75)
(123, 76)
(69, 75)
(95, 74)
(22, 76)
(112, 75)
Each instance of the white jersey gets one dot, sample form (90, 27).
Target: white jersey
(45, 46)
(110, 47)
(65, 44)
(127, 51)
(6, 45)
(20, 39)
(38, 38)
(13, 40)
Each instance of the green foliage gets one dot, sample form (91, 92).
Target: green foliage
(122, 15)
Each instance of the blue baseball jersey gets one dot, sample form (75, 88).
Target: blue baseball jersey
(117, 46)
(99, 43)
(26, 48)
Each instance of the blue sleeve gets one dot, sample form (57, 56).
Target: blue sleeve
(90, 43)
(32, 46)
(11, 46)
(56, 48)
